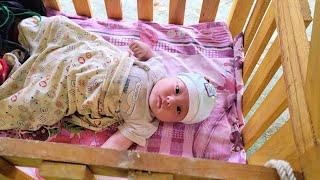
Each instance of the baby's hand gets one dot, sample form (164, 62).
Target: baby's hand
(141, 50)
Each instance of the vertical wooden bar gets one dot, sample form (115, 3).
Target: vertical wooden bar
(82, 7)
(54, 4)
(294, 51)
(312, 88)
(209, 10)
(176, 11)
(311, 159)
(145, 10)
(114, 9)
(55, 170)
(254, 21)
(265, 31)
(7, 170)
(238, 14)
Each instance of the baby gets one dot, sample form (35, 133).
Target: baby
(77, 75)
(187, 98)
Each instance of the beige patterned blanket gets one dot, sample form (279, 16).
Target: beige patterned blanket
(71, 72)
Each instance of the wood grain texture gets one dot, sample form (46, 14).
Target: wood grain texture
(55, 170)
(176, 11)
(238, 15)
(9, 171)
(280, 145)
(209, 10)
(259, 42)
(178, 166)
(53, 4)
(269, 110)
(145, 10)
(262, 77)
(254, 21)
(82, 7)
(294, 51)
(113, 8)
(312, 88)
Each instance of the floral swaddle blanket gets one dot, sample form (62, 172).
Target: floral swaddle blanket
(70, 70)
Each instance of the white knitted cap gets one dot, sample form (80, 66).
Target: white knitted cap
(202, 96)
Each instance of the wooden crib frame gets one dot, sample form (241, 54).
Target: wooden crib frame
(297, 141)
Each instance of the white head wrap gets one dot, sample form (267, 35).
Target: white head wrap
(202, 97)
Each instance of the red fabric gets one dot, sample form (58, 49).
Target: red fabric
(4, 70)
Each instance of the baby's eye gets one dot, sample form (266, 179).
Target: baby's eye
(178, 109)
(177, 89)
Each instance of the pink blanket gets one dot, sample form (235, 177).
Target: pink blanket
(206, 48)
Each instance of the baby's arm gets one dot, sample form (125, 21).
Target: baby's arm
(141, 50)
(117, 141)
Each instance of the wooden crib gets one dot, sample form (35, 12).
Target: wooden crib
(297, 141)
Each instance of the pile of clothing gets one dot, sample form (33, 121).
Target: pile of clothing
(11, 13)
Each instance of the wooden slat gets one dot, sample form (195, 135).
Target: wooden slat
(280, 145)
(312, 88)
(176, 11)
(145, 10)
(311, 158)
(270, 109)
(82, 7)
(114, 10)
(264, 74)
(265, 31)
(209, 10)
(55, 170)
(238, 14)
(310, 161)
(146, 176)
(294, 52)
(108, 171)
(28, 162)
(254, 21)
(60, 152)
(53, 4)
(7, 170)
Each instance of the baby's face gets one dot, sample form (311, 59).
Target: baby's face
(169, 100)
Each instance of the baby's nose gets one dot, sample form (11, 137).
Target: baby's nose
(169, 101)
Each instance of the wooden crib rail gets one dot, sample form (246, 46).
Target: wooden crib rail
(301, 82)
(276, 101)
(299, 72)
(209, 9)
(89, 160)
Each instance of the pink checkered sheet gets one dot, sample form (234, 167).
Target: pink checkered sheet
(207, 48)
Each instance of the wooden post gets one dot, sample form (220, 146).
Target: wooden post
(145, 10)
(114, 9)
(312, 87)
(176, 11)
(209, 10)
(238, 15)
(82, 7)
(299, 74)
(54, 4)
